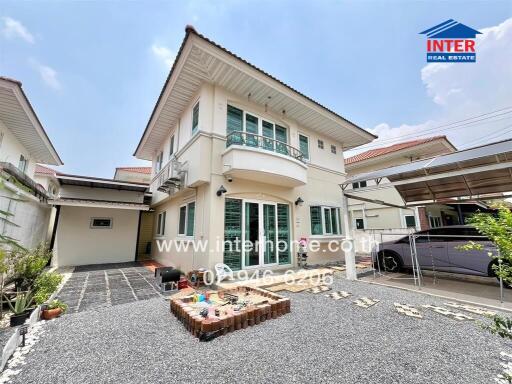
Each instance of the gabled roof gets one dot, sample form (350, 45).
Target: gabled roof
(19, 117)
(143, 170)
(395, 148)
(201, 60)
(451, 29)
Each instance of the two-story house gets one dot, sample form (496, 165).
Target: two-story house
(239, 156)
(23, 143)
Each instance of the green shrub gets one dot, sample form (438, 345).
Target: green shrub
(45, 284)
(27, 265)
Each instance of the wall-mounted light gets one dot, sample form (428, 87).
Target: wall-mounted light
(299, 201)
(221, 191)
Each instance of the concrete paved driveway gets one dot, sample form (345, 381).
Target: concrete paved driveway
(98, 286)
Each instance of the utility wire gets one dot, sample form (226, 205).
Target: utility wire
(453, 125)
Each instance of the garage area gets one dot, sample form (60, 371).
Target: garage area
(98, 221)
(436, 263)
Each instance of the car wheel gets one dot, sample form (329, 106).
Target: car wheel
(390, 261)
(493, 274)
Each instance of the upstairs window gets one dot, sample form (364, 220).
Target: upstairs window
(321, 144)
(359, 184)
(187, 219)
(23, 164)
(235, 120)
(171, 147)
(159, 161)
(195, 118)
(333, 149)
(359, 223)
(304, 145)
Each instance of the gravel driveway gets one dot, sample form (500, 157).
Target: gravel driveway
(322, 340)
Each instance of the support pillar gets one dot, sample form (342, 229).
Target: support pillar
(349, 247)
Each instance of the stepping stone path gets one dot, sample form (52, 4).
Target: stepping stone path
(365, 302)
(338, 269)
(407, 310)
(319, 289)
(469, 308)
(338, 295)
(445, 312)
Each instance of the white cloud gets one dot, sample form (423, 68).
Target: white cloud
(460, 91)
(14, 29)
(48, 74)
(164, 54)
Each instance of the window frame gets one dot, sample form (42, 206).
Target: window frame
(160, 224)
(159, 162)
(332, 210)
(405, 221)
(195, 108)
(361, 220)
(92, 226)
(333, 149)
(308, 158)
(260, 124)
(435, 219)
(359, 184)
(171, 147)
(23, 160)
(320, 144)
(185, 226)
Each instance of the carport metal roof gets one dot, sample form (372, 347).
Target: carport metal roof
(479, 172)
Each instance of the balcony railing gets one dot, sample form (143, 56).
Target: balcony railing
(14, 175)
(262, 142)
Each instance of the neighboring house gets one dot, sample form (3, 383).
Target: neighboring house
(133, 174)
(380, 222)
(97, 220)
(239, 155)
(23, 143)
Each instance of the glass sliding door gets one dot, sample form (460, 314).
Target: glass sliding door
(252, 235)
(256, 233)
(283, 233)
(269, 231)
(233, 233)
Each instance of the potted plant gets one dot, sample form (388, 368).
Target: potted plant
(21, 308)
(53, 309)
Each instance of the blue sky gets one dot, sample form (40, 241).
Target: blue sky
(93, 70)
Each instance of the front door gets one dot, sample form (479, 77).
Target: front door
(260, 234)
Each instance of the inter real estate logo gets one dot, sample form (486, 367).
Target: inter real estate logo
(451, 42)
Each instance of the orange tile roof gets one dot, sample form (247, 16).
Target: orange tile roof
(144, 170)
(392, 148)
(45, 170)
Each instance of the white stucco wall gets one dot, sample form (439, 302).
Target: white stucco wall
(30, 216)
(77, 244)
(11, 150)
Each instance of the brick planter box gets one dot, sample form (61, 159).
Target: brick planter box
(267, 306)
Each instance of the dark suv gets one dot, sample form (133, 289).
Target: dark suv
(436, 249)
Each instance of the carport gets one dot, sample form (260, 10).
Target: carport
(479, 173)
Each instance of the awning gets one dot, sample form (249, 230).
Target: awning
(483, 172)
(99, 204)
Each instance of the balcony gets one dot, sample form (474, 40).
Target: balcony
(263, 159)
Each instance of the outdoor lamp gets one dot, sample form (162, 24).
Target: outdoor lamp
(299, 201)
(221, 190)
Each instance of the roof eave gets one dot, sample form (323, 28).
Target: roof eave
(190, 32)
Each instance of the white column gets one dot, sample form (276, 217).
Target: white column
(350, 250)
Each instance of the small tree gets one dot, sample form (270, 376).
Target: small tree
(498, 229)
